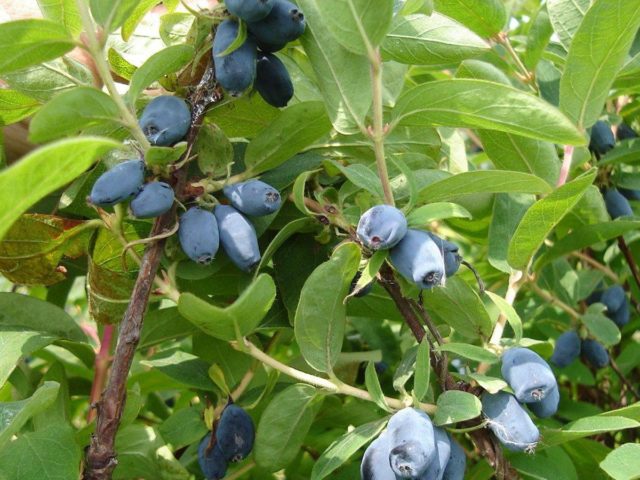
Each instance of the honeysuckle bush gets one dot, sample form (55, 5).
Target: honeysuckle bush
(473, 118)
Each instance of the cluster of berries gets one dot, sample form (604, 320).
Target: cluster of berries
(533, 385)
(569, 345)
(412, 447)
(164, 121)
(601, 142)
(234, 435)
(201, 232)
(421, 257)
(271, 24)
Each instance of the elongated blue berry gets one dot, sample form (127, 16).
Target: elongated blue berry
(198, 234)
(249, 10)
(235, 433)
(235, 71)
(381, 227)
(273, 81)
(238, 237)
(527, 374)
(630, 194)
(418, 259)
(153, 199)
(443, 452)
(212, 462)
(165, 120)
(625, 132)
(602, 139)
(254, 197)
(567, 349)
(118, 184)
(457, 462)
(548, 406)
(450, 254)
(509, 422)
(375, 462)
(617, 205)
(284, 24)
(413, 443)
(595, 353)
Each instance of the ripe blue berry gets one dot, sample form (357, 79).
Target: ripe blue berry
(165, 120)
(236, 70)
(595, 353)
(118, 184)
(630, 194)
(567, 349)
(273, 82)
(625, 132)
(212, 462)
(235, 433)
(617, 205)
(457, 462)
(198, 234)
(381, 227)
(153, 199)
(253, 198)
(527, 374)
(548, 406)
(443, 451)
(602, 139)
(449, 253)
(418, 259)
(284, 24)
(509, 422)
(249, 10)
(413, 443)
(238, 237)
(375, 462)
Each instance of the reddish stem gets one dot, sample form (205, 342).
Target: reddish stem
(566, 165)
(101, 368)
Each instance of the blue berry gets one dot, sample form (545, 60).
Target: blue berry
(284, 24)
(595, 353)
(212, 462)
(548, 406)
(602, 139)
(413, 443)
(617, 205)
(509, 422)
(273, 81)
(567, 349)
(418, 259)
(457, 462)
(235, 433)
(236, 70)
(165, 120)
(381, 227)
(253, 198)
(118, 184)
(249, 10)
(198, 234)
(153, 199)
(449, 253)
(238, 237)
(527, 374)
(375, 462)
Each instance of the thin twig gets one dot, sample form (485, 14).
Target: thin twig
(101, 367)
(554, 300)
(624, 379)
(597, 265)
(567, 160)
(629, 258)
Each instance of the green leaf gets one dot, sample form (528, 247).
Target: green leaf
(470, 352)
(344, 447)
(482, 104)
(112, 15)
(538, 222)
(162, 63)
(483, 181)
(356, 24)
(245, 117)
(361, 176)
(283, 426)
(566, 16)
(422, 216)
(458, 305)
(339, 73)
(136, 16)
(49, 454)
(215, 151)
(423, 371)
(298, 191)
(433, 40)
(63, 12)
(182, 367)
(164, 156)
(297, 127)
(597, 52)
(508, 311)
(183, 427)
(372, 382)
(321, 314)
(119, 65)
(235, 321)
(508, 210)
(369, 272)
(283, 234)
(32, 178)
(72, 112)
(28, 324)
(623, 463)
(14, 106)
(585, 236)
(627, 152)
(538, 38)
(601, 327)
(456, 406)
(486, 18)
(585, 427)
(405, 369)
(32, 41)
(14, 415)
(513, 152)
(490, 384)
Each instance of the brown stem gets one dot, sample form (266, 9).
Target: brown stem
(624, 379)
(101, 366)
(630, 260)
(101, 456)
